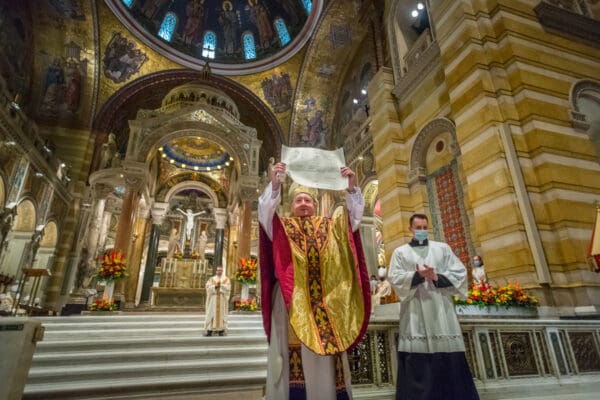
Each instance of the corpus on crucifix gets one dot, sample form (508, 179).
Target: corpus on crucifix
(189, 224)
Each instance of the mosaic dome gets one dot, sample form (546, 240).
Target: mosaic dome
(234, 36)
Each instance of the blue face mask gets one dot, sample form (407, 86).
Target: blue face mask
(421, 234)
(477, 263)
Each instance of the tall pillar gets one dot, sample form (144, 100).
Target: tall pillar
(245, 233)
(221, 219)
(100, 192)
(134, 174)
(135, 254)
(159, 210)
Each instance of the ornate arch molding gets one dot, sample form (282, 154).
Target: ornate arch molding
(148, 91)
(203, 187)
(370, 193)
(17, 224)
(578, 120)
(172, 130)
(424, 138)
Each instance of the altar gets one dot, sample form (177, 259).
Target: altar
(181, 286)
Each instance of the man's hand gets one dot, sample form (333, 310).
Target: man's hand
(348, 173)
(428, 273)
(277, 171)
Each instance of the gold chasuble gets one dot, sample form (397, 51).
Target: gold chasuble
(327, 309)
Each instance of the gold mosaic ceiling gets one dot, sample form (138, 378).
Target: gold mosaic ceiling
(235, 36)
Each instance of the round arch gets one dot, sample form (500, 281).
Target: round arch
(370, 194)
(192, 185)
(148, 91)
(50, 237)
(423, 140)
(26, 216)
(170, 131)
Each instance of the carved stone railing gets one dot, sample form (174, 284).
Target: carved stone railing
(573, 22)
(422, 62)
(418, 49)
(520, 353)
(21, 132)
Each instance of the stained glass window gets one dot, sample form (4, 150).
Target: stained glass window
(128, 3)
(307, 5)
(249, 48)
(284, 36)
(168, 26)
(209, 45)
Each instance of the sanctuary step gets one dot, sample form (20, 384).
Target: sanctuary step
(144, 356)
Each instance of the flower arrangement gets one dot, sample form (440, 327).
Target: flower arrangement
(246, 272)
(102, 305)
(112, 267)
(246, 305)
(509, 295)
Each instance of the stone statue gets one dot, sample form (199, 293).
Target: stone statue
(82, 270)
(172, 243)
(116, 161)
(189, 224)
(109, 149)
(6, 302)
(202, 244)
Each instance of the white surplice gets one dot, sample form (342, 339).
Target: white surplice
(217, 303)
(428, 321)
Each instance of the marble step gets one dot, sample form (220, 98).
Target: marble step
(128, 343)
(141, 317)
(147, 353)
(148, 369)
(67, 335)
(142, 387)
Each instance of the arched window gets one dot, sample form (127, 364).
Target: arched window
(307, 5)
(249, 48)
(128, 3)
(168, 26)
(282, 32)
(209, 45)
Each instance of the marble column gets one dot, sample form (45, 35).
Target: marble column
(100, 192)
(135, 254)
(125, 224)
(159, 210)
(221, 219)
(245, 233)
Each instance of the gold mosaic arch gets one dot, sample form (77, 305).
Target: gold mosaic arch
(326, 59)
(50, 237)
(370, 194)
(26, 214)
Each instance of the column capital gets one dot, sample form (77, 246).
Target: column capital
(220, 217)
(159, 211)
(135, 174)
(101, 190)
